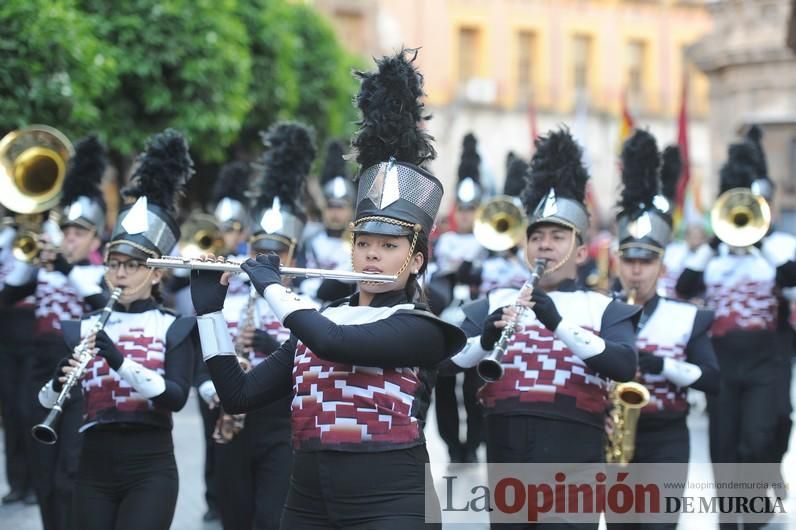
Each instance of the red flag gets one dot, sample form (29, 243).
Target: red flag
(682, 142)
(532, 123)
(626, 124)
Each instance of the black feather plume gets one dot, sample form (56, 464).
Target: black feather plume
(392, 114)
(555, 164)
(469, 165)
(232, 182)
(755, 136)
(640, 162)
(334, 165)
(162, 170)
(515, 177)
(84, 174)
(671, 169)
(740, 168)
(290, 150)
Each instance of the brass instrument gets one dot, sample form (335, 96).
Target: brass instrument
(32, 170)
(177, 262)
(600, 279)
(627, 400)
(44, 432)
(490, 368)
(740, 218)
(229, 425)
(201, 235)
(500, 223)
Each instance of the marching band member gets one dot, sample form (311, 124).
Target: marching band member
(458, 256)
(64, 286)
(675, 351)
(127, 475)
(549, 405)
(361, 371)
(330, 249)
(739, 286)
(253, 465)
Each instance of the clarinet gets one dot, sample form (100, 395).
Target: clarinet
(490, 368)
(44, 432)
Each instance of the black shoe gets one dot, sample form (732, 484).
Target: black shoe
(469, 456)
(30, 499)
(211, 515)
(13, 496)
(456, 454)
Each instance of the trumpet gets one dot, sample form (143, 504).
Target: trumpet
(176, 262)
(490, 368)
(44, 432)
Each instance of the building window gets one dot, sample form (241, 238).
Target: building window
(526, 51)
(581, 55)
(468, 54)
(636, 50)
(351, 31)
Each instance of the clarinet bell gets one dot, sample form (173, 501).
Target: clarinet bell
(44, 432)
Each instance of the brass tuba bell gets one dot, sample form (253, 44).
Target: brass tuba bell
(500, 223)
(32, 170)
(740, 218)
(201, 234)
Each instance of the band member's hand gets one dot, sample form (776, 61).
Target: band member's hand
(263, 342)
(714, 243)
(545, 309)
(263, 271)
(59, 376)
(208, 289)
(491, 331)
(107, 349)
(61, 265)
(649, 363)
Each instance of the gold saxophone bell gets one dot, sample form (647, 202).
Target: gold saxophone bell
(201, 234)
(740, 218)
(627, 399)
(500, 223)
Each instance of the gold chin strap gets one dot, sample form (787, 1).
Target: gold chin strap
(566, 258)
(128, 290)
(415, 227)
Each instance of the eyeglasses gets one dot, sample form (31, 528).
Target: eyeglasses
(131, 266)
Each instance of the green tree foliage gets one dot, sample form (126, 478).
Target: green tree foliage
(53, 69)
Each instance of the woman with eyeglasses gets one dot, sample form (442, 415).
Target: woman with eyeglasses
(361, 371)
(143, 363)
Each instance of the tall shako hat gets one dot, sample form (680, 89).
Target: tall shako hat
(229, 195)
(762, 184)
(147, 228)
(515, 177)
(671, 169)
(82, 201)
(337, 187)
(468, 189)
(556, 184)
(395, 195)
(278, 212)
(740, 169)
(644, 225)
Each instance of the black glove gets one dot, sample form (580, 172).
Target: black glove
(714, 243)
(61, 265)
(207, 293)
(649, 363)
(263, 271)
(545, 309)
(57, 385)
(489, 333)
(466, 274)
(263, 342)
(108, 350)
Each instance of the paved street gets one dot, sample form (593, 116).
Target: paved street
(190, 450)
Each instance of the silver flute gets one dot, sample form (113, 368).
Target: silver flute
(490, 368)
(45, 432)
(177, 262)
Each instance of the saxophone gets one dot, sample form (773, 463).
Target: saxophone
(229, 425)
(627, 400)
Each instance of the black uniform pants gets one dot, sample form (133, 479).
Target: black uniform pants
(533, 439)
(253, 474)
(669, 444)
(126, 479)
(209, 419)
(15, 364)
(359, 491)
(447, 410)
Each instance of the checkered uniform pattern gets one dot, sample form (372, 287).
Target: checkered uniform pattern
(140, 337)
(57, 300)
(541, 374)
(235, 313)
(666, 334)
(740, 291)
(349, 407)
